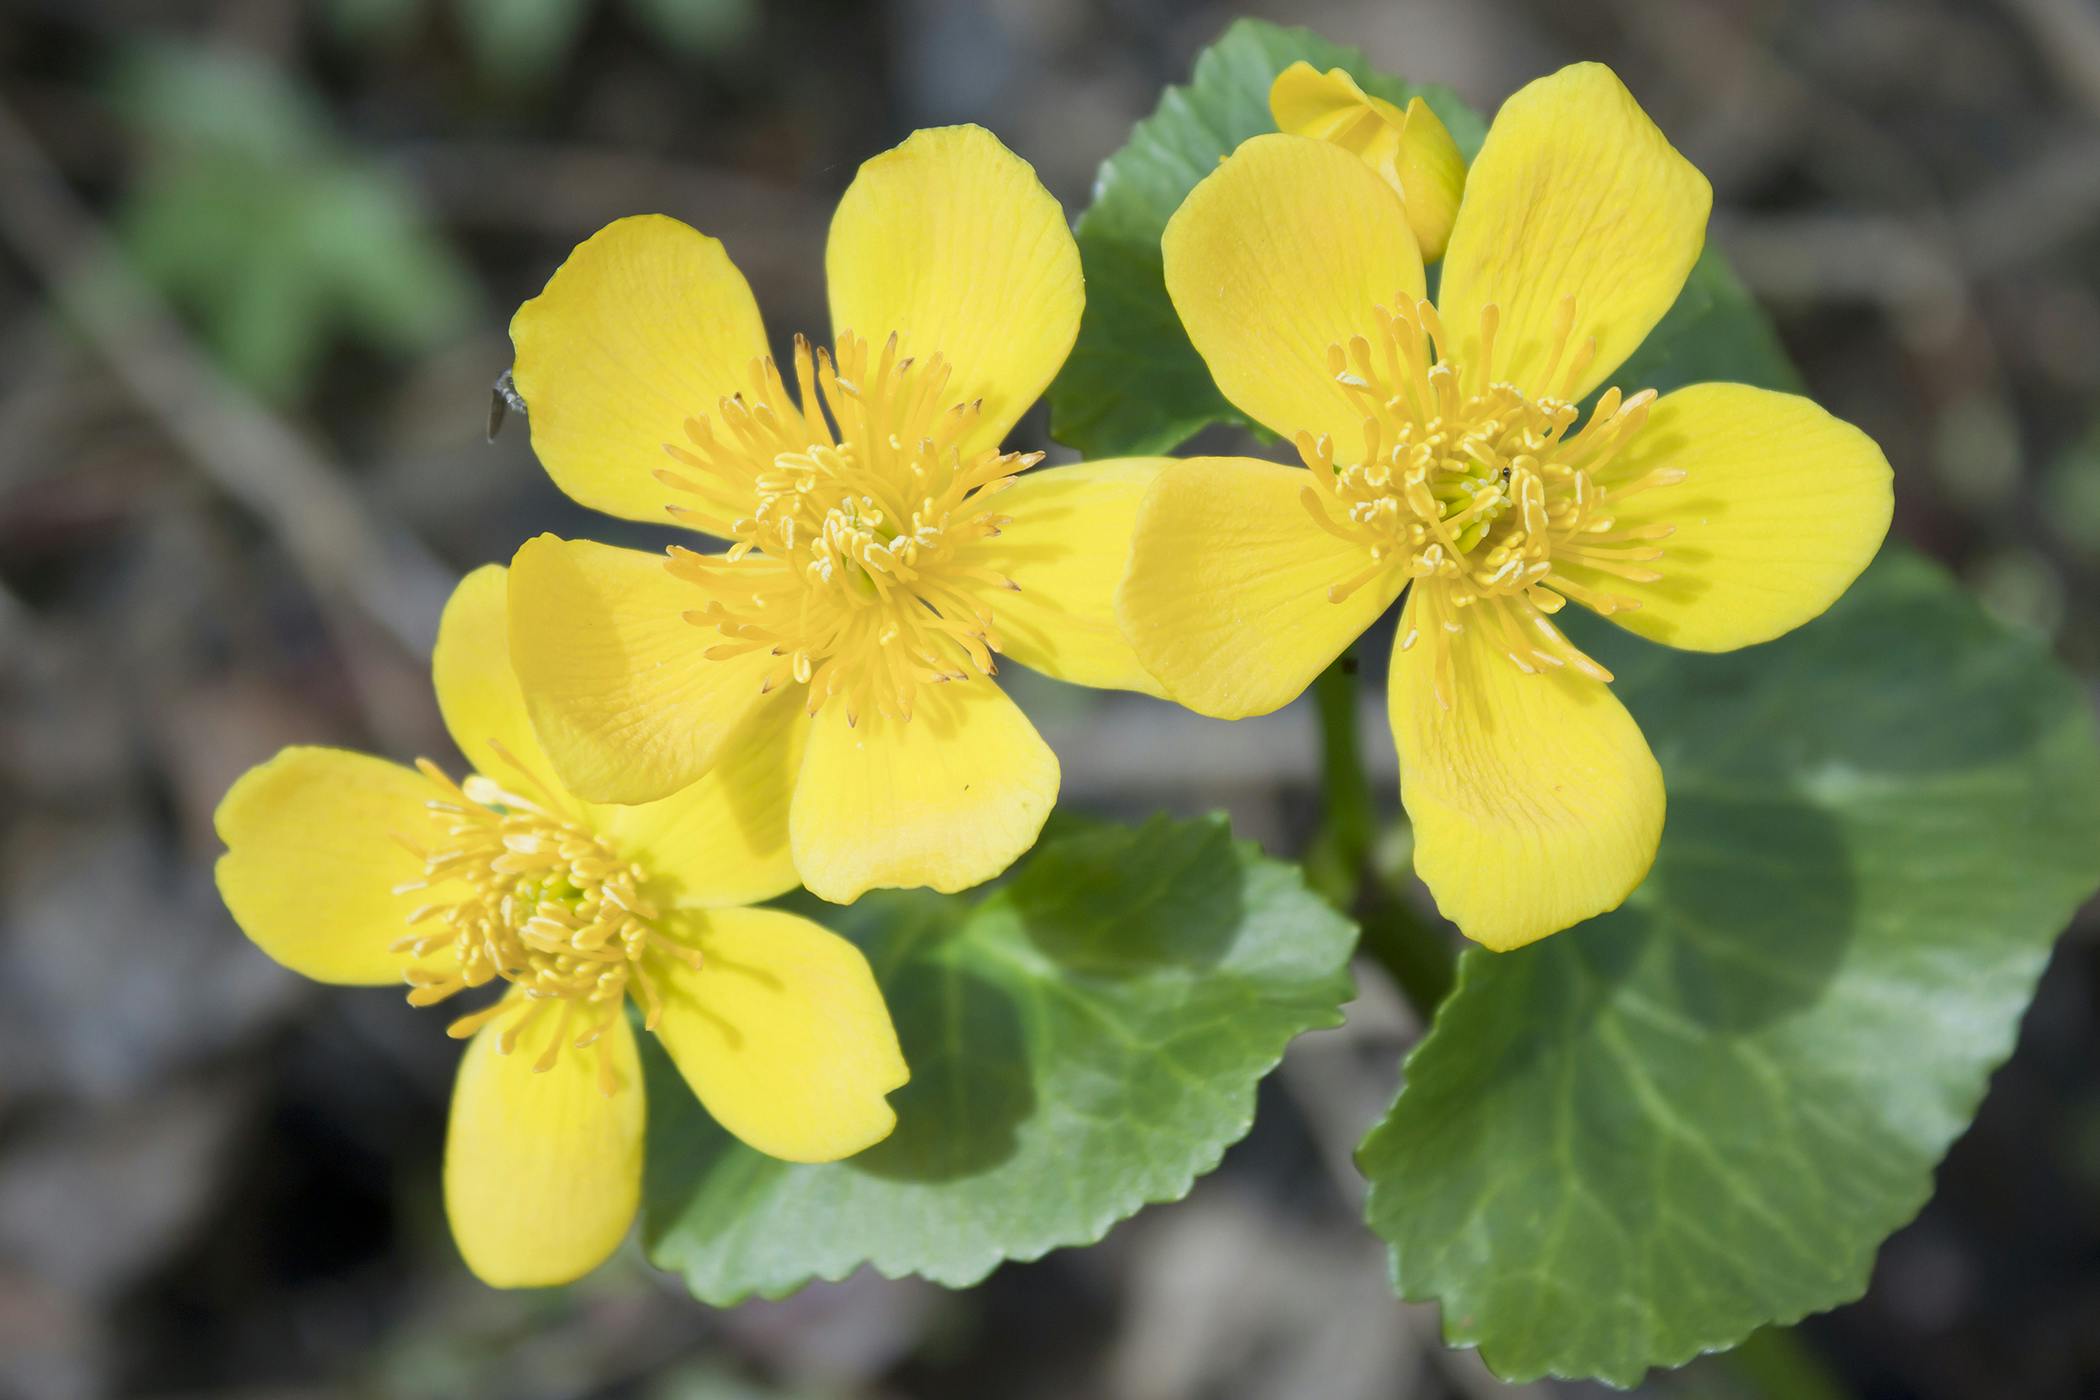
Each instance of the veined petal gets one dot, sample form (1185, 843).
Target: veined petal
(618, 683)
(543, 1170)
(946, 799)
(1575, 194)
(1065, 547)
(1411, 149)
(951, 242)
(1279, 253)
(311, 861)
(1535, 801)
(1226, 597)
(477, 691)
(782, 1034)
(1781, 507)
(648, 323)
(724, 839)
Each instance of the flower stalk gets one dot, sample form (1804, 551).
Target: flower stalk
(1419, 959)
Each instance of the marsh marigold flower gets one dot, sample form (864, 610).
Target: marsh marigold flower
(883, 548)
(1410, 149)
(354, 870)
(1444, 453)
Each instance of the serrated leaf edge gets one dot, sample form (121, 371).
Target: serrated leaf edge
(1097, 1229)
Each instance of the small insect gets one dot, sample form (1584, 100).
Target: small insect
(504, 400)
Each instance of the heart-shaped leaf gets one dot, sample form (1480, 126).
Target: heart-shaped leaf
(1645, 1137)
(1084, 1040)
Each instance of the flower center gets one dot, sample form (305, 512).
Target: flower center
(1481, 495)
(854, 566)
(519, 893)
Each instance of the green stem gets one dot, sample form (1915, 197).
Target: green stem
(1345, 838)
(1419, 958)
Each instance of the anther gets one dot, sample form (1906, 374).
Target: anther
(1479, 494)
(857, 542)
(533, 900)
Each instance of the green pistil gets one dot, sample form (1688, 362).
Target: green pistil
(556, 889)
(857, 579)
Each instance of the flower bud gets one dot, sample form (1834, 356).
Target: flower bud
(1410, 149)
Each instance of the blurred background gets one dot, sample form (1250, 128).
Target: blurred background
(256, 261)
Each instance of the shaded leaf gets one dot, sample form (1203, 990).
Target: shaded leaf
(1084, 1040)
(1647, 1136)
(1134, 385)
(1713, 332)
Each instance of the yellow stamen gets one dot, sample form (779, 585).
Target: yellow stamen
(1479, 493)
(528, 897)
(856, 564)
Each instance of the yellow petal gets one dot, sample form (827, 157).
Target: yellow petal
(951, 242)
(1065, 547)
(1432, 176)
(1411, 150)
(1226, 597)
(477, 691)
(618, 683)
(947, 799)
(311, 861)
(1781, 507)
(782, 1034)
(647, 324)
(543, 1171)
(1279, 253)
(1328, 106)
(724, 839)
(1576, 193)
(1534, 798)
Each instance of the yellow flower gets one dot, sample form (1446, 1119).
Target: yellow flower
(1441, 448)
(353, 870)
(879, 558)
(1410, 150)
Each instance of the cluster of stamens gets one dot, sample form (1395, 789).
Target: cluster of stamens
(519, 893)
(1479, 494)
(854, 566)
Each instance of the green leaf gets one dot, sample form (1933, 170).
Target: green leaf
(277, 239)
(1714, 331)
(1649, 1136)
(1643, 1138)
(1133, 384)
(1084, 1040)
(521, 42)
